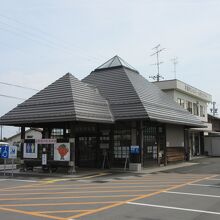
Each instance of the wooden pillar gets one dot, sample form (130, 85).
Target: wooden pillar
(72, 163)
(22, 147)
(140, 142)
(187, 144)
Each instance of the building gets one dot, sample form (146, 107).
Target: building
(111, 118)
(196, 102)
(32, 133)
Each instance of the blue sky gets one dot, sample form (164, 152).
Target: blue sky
(42, 40)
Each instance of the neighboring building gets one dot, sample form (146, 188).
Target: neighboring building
(112, 115)
(32, 133)
(215, 121)
(196, 102)
(212, 139)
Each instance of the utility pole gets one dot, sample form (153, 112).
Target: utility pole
(174, 60)
(214, 110)
(158, 50)
(1, 132)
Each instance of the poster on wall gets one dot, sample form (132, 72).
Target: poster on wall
(62, 151)
(30, 150)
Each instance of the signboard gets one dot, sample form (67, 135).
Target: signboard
(45, 141)
(12, 152)
(30, 150)
(4, 152)
(135, 149)
(44, 159)
(62, 151)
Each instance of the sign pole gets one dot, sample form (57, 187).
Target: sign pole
(4, 167)
(12, 170)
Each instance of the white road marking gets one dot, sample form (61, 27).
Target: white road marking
(174, 208)
(19, 180)
(206, 185)
(192, 194)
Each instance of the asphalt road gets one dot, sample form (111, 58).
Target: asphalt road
(189, 193)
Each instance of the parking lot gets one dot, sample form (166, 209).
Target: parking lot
(176, 194)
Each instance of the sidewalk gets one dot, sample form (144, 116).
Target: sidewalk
(87, 172)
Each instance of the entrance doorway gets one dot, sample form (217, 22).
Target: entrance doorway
(154, 144)
(86, 151)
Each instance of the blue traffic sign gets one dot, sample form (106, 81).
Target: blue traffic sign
(135, 149)
(4, 152)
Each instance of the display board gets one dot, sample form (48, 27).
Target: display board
(62, 151)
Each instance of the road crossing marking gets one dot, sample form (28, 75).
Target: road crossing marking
(205, 185)
(192, 194)
(174, 208)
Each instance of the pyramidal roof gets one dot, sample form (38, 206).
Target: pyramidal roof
(115, 61)
(131, 96)
(67, 99)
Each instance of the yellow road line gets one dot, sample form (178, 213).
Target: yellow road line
(65, 211)
(42, 183)
(138, 198)
(64, 197)
(32, 213)
(95, 187)
(77, 192)
(56, 204)
(76, 178)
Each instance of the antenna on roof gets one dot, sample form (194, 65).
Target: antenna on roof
(158, 63)
(174, 61)
(214, 110)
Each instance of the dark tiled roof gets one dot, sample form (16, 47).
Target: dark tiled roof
(131, 96)
(67, 99)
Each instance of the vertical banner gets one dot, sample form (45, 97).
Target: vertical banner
(12, 152)
(62, 151)
(30, 150)
(44, 159)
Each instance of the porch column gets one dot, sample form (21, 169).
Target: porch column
(140, 142)
(72, 168)
(22, 147)
(186, 144)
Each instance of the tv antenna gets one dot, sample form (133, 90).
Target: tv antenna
(175, 62)
(214, 110)
(158, 50)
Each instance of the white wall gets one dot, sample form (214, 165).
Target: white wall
(192, 99)
(174, 135)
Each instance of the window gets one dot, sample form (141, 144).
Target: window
(202, 111)
(189, 106)
(195, 109)
(181, 102)
(122, 142)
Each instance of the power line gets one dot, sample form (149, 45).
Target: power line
(41, 36)
(158, 50)
(11, 97)
(22, 87)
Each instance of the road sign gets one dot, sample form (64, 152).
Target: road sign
(4, 152)
(12, 152)
(135, 149)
